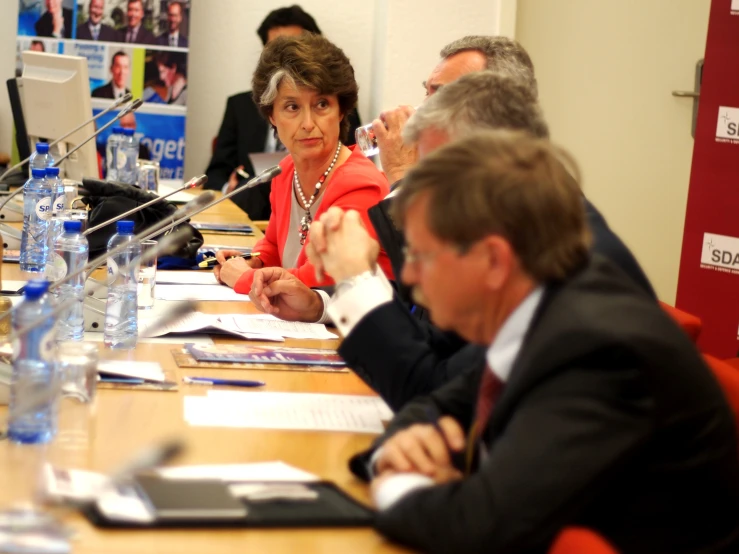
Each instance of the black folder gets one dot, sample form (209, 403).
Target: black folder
(208, 503)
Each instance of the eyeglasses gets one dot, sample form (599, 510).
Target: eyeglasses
(413, 256)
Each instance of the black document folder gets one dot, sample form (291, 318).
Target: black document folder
(209, 503)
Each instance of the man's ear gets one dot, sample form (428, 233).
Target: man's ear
(497, 256)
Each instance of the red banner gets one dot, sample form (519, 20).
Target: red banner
(708, 284)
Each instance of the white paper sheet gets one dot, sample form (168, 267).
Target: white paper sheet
(201, 292)
(269, 324)
(186, 278)
(204, 323)
(298, 411)
(200, 340)
(262, 471)
(168, 185)
(151, 371)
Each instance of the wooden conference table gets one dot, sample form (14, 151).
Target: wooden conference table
(127, 420)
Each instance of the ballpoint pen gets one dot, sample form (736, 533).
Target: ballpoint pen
(212, 262)
(227, 382)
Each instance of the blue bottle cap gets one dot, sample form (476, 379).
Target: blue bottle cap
(117, 130)
(124, 227)
(38, 172)
(42, 147)
(72, 226)
(36, 288)
(128, 132)
(52, 172)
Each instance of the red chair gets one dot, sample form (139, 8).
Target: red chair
(691, 324)
(578, 540)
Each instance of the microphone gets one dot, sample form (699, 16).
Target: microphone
(192, 183)
(263, 177)
(133, 106)
(123, 99)
(149, 458)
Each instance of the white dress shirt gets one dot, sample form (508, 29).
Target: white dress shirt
(501, 356)
(174, 38)
(94, 30)
(117, 92)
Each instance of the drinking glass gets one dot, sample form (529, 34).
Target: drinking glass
(147, 277)
(78, 363)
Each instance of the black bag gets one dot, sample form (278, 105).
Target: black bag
(107, 199)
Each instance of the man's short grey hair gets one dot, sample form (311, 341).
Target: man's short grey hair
(477, 101)
(502, 54)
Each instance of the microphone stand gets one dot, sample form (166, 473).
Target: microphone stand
(192, 183)
(133, 106)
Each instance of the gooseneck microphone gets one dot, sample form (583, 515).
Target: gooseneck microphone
(133, 106)
(192, 183)
(122, 100)
(263, 177)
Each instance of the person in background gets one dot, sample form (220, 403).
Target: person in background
(173, 36)
(244, 131)
(120, 68)
(56, 21)
(173, 73)
(135, 32)
(595, 409)
(94, 28)
(37, 46)
(305, 88)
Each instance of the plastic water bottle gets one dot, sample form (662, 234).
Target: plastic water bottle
(36, 215)
(71, 251)
(121, 323)
(58, 204)
(111, 154)
(33, 397)
(41, 158)
(129, 151)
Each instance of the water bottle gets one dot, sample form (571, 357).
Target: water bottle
(71, 251)
(36, 215)
(121, 324)
(33, 389)
(129, 153)
(111, 154)
(58, 205)
(41, 158)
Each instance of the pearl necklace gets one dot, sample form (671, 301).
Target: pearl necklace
(307, 219)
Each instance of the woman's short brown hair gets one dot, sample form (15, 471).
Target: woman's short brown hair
(509, 184)
(309, 61)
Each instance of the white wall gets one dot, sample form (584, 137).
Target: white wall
(393, 44)
(8, 31)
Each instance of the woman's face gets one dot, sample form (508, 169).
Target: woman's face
(167, 74)
(308, 123)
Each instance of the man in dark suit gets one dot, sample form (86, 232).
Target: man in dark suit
(594, 410)
(244, 130)
(55, 22)
(119, 70)
(173, 36)
(135, 32)
(94, 28)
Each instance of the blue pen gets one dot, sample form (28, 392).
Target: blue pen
(228, 382)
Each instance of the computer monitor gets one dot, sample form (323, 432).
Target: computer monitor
(55, 95)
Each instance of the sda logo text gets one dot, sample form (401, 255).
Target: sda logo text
(727, 127)
(720, 253)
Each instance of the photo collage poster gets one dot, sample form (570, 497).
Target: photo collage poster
(137, 46)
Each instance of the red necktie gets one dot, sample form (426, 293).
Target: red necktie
(490, 389)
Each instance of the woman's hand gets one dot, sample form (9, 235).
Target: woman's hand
(231, 267)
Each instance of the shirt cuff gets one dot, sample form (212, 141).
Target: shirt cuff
(325, 298)
(224, 188)
(348, 308)
(397, 486)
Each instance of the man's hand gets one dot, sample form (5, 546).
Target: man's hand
(423, 449)
(233, 180)
(232, 268)
(278, 292)
(396, 156)
(341, 246)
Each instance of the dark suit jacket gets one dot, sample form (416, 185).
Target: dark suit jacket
(402, 355)
(163, 40)
(44, 26)
(105, 91)
(244, 130)
(609, 420)
(144, 36)
(107, 34)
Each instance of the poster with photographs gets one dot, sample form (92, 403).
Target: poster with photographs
(136, 46)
